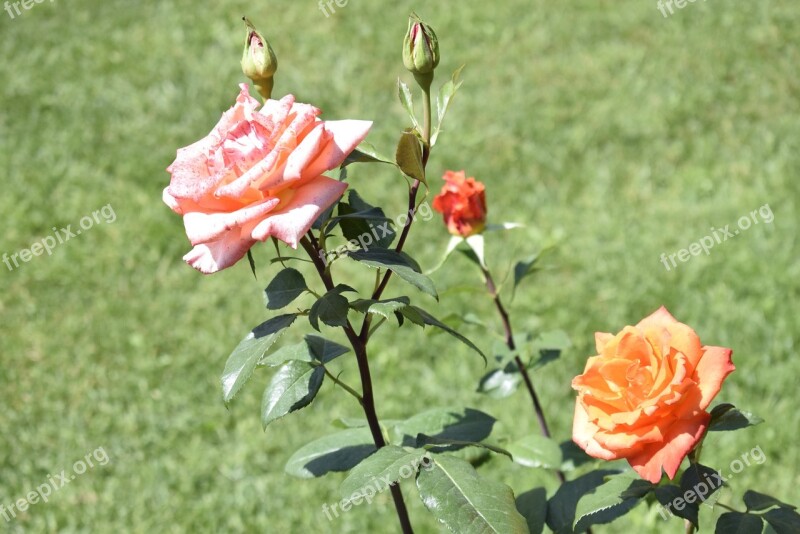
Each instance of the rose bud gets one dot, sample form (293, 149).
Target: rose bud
(644, 396)
(462, 202)
(420, 48)
(258, 60)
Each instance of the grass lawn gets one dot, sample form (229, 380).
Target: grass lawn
(612, 131)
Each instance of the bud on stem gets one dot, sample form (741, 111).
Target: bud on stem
(420, 51)
(258, 60)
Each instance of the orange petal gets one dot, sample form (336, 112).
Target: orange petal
(679, 440)
(712, 369)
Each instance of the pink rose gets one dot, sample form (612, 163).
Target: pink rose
(258, 174)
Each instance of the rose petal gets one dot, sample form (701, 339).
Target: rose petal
(203, 227)
(711, 371)
(214, 256)
(679, 439)
(291, 221)
(344, 136)
(583, 431)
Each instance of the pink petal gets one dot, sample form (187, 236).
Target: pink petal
(659, 318)
(214, 256)
(346, 135)
(203, 227)
(583, 431)
(291, 221)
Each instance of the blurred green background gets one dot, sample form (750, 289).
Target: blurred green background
(608, 129)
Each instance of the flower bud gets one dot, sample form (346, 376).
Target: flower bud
(420, 48)
(258, 60)
(462, 202)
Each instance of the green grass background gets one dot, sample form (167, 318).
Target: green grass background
(613, 131)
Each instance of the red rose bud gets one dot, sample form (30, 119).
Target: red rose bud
(420, 48)
(462, 201)
(258, 60)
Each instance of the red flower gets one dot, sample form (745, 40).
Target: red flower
(462, 201)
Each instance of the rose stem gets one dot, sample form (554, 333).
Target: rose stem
(490, 285)
(311, 246)
(412, 195)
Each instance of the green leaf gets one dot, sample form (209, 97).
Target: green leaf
(756, 501)
(499, 383)
(573, 456)
(399, 263)
(549, 346)
(384, 308)
(252, 263)
(284, 288)
(336, 452)
(421, 317)
(695, 477)
(363, 223)
(738, 523)
(409, 156)
(248, 353)
(523, 269)
(295, 352)
(783, 520)
(366, 153)
(387, 465)
(728, 417)
(536, 451)
(324, 350)
(294, 386)
(561, 506)
(668, 497)
(331, 308)
(467, 503)
(533, 507)
(446, 94)
(465, 425)
(609, 501)
(407, 101)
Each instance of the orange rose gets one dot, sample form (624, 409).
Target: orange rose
(643, 398)
(258, 174)
(462, 201)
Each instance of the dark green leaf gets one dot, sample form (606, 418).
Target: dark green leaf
(783, 520)
(294, 386)
(737, 523)
(536, 451)
(324, 350)
(698, 483)
(467, 503)
(728, 417)
(573, 456)
(756, 501)
(409, 156)
(672, 502)
(407, 101)
(609, 501)
(336, 452)
(465, 425)
(252, 263)
(561, 506)
(400, 264)
(533, 507)
(284, 288)
(524, 268)
(549, 346)
(287, 353)
(386, 465)
(331, 308)
(421, 317)
(248, 353)
(384, 308)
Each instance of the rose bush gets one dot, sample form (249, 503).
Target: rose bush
(462, 202)
(258, 174)
(644, 396)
